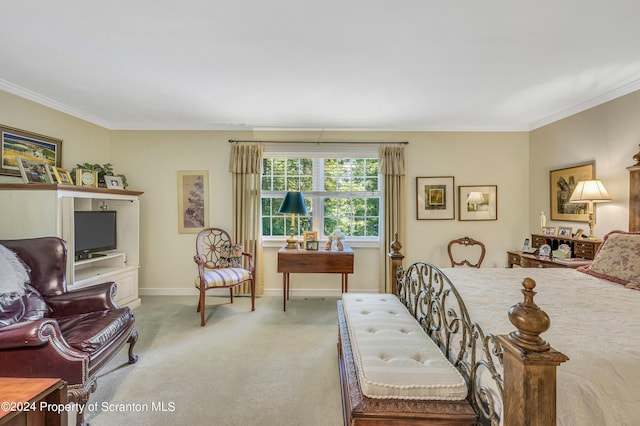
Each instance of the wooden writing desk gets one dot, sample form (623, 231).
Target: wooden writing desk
(31, 395)
(311, 262)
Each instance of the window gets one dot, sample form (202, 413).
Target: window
(340, 192)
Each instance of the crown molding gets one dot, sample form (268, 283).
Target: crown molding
(48, 102)
(591, 103)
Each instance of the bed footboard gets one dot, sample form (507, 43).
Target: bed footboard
(511, 378)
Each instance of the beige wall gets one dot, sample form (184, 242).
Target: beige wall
(518, 163)
(607, 134)
(151, 159)
(81, 140)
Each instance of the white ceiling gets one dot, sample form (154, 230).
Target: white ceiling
(330, 64)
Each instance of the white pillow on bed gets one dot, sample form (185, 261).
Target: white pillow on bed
(618, 258)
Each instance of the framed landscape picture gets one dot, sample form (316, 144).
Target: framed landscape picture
(562, 183)
(193, 201)
(16, 143)
(435, 197)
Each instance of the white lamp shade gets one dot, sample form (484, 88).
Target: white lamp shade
(590, 190)
(475, 198)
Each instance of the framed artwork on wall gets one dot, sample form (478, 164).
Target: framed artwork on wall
(16, 143)
(435, 197)
(478, 202)
(193, 201)
(562, 183)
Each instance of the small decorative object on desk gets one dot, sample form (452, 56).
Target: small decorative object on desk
(545, 250)
(563, 252)
(337, 236)
(311, 245)
(543, 220)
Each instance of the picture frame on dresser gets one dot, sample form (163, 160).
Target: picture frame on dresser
(562, 182)
(565, 231)
(549, 230)
(16, 143)
(309, 236)
(435, 198)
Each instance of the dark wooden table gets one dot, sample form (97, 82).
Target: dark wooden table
(311, 262)
(33, 401)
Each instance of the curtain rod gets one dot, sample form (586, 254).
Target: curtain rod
(327, 142)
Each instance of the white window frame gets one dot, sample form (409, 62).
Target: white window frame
(283, 151)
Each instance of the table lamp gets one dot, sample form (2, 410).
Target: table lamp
(293, 203)
(590, 191)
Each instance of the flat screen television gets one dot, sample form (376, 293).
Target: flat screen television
(95, 231)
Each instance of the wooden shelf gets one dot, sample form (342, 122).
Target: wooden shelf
(75, 188)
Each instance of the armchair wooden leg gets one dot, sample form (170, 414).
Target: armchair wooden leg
(81, 396)
(231, 294)
(201, 307)
(253, 295)
(133, 358)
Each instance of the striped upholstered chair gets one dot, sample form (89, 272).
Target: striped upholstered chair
(221, 264)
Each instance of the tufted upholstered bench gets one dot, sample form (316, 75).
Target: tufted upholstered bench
(391, 372)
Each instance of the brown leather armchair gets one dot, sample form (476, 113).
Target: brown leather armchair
(79, 332)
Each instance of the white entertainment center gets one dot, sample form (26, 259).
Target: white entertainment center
(39, 210)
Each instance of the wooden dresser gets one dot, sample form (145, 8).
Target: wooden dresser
(580, 247)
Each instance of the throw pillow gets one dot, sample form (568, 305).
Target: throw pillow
(231, 256)
(617, 259)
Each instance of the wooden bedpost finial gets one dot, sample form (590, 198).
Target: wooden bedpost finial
(637, 158)
(529, 320)
(395, 245)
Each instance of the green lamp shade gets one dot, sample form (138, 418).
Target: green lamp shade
(293, 203)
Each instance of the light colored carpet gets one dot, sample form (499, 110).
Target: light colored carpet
(266, 367)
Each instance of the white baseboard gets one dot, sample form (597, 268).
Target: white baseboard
(224, 292)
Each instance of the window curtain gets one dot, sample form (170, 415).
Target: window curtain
(392, 170)
(245, 165)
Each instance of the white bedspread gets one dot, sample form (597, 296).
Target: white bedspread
(596, 323)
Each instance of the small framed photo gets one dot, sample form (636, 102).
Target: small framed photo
(565, 231)
(525, 245)
(63, 177)
(478, 202)
(311, 245)
(113, 182)
(309, 236)
(549, 230)
(34, 171)
(435, 197)
(578, 233)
